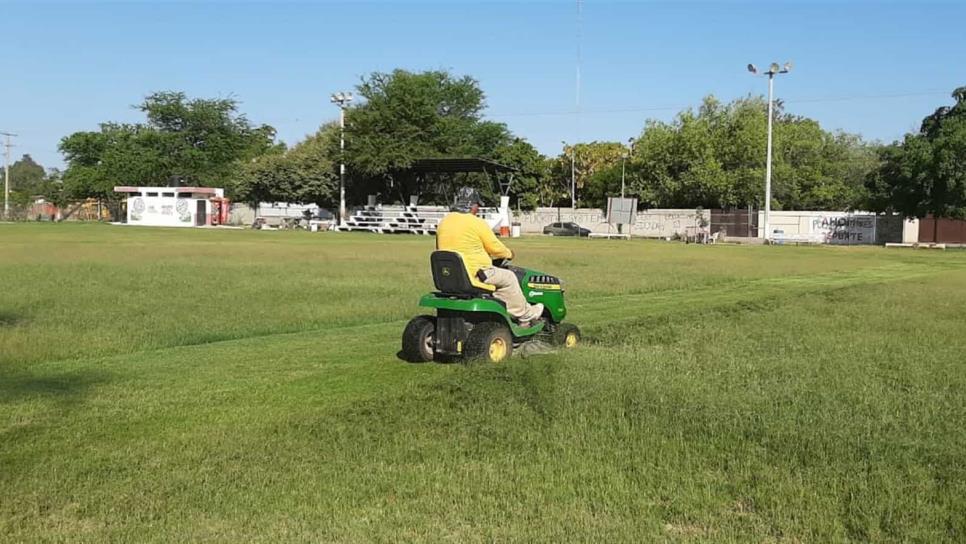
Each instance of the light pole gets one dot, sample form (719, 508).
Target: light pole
(6, 175)
(623, 171)
(573, 175)
(624, 157)
(342, 100)
(773, 70)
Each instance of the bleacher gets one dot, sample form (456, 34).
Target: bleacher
(394, 220)
(397, 219)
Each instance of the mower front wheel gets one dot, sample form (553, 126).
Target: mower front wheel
(489, 341)
(566, 335)
(417, 339)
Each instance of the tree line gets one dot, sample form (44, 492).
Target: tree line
(709, 156)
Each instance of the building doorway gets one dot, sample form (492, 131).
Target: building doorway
(201, 215)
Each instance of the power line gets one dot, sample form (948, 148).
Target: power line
(865, 97)
(582, 112)
(682, 107)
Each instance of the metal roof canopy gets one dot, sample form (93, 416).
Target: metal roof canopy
(464, 166)
(458, 166)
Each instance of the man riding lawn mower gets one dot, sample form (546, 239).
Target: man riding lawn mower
(484, 306)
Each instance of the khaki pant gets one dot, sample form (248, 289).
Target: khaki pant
(508, 290)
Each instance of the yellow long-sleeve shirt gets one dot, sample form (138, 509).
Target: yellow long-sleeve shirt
(473, 239)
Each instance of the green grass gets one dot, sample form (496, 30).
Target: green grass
(194, 385)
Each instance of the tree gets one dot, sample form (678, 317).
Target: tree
(26, 176)
(532, 171)
(925, 173)
(409, 116)
(202, 139)
(601, 185)
(708, 157)
(593, 163)
(715, 157)
(28, 180)
(202, 142)
(304, 174)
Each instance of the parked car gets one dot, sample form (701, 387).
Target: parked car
(565, 229)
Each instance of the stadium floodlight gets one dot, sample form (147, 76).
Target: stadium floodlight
(773, 70)
(342, 100)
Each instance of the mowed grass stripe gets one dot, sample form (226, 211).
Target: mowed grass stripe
(733, 427)
(81, 291)
(620, 307)
(632, 306)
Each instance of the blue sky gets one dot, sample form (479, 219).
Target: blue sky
(875, 68)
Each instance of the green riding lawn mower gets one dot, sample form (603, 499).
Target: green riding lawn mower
(470, 324)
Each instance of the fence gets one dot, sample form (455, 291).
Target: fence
(942, 230)
(83, 210)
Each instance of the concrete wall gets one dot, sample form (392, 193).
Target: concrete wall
(241, 214)
(272, 212)
(838, 228)
(656, 223)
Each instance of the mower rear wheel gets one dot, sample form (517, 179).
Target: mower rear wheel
(566, 335)
(489, 341)
(417, 339)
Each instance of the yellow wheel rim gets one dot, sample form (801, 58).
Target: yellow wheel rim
(571, 340)
(498, 350)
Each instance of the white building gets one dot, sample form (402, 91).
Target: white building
(175, 206)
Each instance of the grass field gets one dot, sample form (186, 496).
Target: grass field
(237, 386)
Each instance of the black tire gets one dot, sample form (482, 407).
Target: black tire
(566, 335)
(417, 339)
(489, 341)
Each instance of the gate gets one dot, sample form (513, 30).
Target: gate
(742, 223)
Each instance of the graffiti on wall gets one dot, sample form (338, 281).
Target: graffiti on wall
(137, 209)
(160, 211)
(845, 229)
(184, 212)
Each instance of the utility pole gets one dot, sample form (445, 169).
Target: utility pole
(573, 149)
(773, 70)
(573, 177)
(342, 100)
(6, 174)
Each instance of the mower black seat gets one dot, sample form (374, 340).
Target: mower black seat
(450, 276)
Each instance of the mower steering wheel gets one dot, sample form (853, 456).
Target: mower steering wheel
(501, 262)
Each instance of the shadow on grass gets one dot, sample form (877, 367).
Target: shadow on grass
(60, 388)
(9, 319)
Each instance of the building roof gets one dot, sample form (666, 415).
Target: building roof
(132, 189)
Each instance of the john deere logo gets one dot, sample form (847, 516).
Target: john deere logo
(445, 271)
